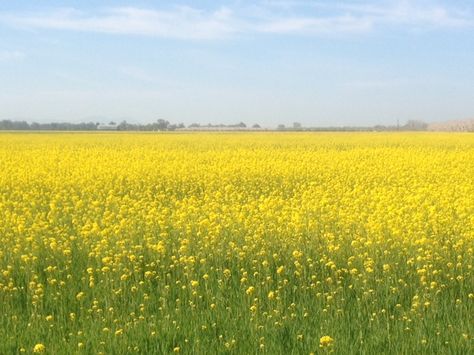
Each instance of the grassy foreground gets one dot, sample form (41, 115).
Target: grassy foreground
(237, 243)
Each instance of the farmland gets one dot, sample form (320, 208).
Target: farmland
(236, 243)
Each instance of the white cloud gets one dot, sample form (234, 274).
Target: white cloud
(411, 13)
(313, 25)
(298, 17)
(181, 22)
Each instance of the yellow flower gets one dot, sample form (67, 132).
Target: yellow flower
(39, 348)
(325, 341)
(297, 254)
(211, 219)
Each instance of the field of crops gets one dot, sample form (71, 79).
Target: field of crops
(236, 243)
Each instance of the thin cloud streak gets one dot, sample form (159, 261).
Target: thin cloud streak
(187, 23)
(315, 26)
(405, 13)
(181, 23)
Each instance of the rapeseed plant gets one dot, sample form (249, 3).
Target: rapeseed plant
(242, 243)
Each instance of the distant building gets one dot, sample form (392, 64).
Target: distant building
(219, 129)
(453, 126)
(107, 127)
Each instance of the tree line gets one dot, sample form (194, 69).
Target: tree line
(164, 125)
(159, 125)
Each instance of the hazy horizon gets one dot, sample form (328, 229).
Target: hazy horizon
(321, 63)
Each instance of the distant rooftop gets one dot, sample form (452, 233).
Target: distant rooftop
(107, 127)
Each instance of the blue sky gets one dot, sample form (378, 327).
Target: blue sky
(320, 63)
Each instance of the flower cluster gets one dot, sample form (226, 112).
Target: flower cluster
(210, 243)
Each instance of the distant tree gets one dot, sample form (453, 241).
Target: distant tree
(281, 127)
(241, 125)
(123, 126)
(256, 125)
(14, 125)
(297, 125)
(415, 125)
(162, 125)
(91, 126)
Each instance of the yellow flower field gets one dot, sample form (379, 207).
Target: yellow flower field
(247, 243)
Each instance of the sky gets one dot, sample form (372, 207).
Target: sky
(320, 63)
